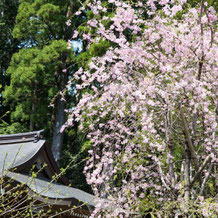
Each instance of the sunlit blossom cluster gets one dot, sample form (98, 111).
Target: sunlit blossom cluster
(142, 93)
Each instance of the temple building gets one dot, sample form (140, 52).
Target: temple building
(26, 161)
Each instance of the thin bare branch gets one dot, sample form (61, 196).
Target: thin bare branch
(188, 138)
(204, 164)
(162, 177)
(182, 171)
(206, 179)
(187, 173)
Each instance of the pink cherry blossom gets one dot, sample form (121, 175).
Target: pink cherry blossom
(151, 100)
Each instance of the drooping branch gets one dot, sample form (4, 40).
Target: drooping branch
(194, 121)
(187, 172)
(162, 177)
(201, 168)
(168, 127)
(189, 142)
(201, 61)
(182, 171)
(206, 179)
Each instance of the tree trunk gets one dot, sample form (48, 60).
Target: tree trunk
(31, 117)
(32, 113)
(59, 115)
(187, 174)
(57, 135)
(59, 119)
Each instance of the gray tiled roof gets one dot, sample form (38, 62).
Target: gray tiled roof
(54, 190)
(19, 150)
(14, 155)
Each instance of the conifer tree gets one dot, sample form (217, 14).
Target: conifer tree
(8, 45)
(39, 72)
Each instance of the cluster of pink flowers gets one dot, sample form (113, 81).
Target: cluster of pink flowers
(144, 91)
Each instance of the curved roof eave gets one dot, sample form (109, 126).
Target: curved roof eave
(18, 156)
(48, 189)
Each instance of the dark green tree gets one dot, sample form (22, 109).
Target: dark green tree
(40, 71)
(8, 46)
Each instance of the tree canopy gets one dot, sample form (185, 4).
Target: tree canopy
(8, 46)
(41, 69)
(137, 80)
(151, 108)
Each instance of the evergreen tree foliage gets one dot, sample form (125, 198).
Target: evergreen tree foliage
(42, 67)
(8, 45)
(40, 70)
